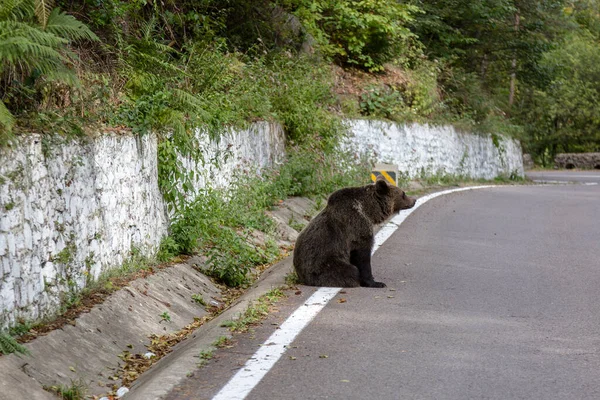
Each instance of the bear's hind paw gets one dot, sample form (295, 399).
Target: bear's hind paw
(373, 284)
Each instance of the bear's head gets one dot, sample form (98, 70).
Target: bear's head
(392, 197)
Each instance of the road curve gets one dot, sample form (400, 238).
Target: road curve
(581, 176)
(492, 294)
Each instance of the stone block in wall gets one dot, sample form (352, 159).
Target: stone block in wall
(528, 162)
(578, 160)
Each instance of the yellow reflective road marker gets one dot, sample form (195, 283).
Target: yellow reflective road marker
(388, 171)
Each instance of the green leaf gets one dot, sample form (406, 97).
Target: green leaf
(67, 26)
(43, 9)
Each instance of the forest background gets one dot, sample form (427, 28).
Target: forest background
(530, 69)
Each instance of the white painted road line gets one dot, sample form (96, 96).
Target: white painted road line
(242, 383)
(590, 176)
(256, 368)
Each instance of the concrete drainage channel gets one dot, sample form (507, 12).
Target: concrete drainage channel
(90, 351)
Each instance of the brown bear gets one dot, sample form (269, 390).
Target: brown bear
(335, 247)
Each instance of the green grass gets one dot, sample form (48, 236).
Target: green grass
(255, 312)
(207, 354)
(77, 390)
(8, 345)
(197, 298)
(221, 342)
(292, 279)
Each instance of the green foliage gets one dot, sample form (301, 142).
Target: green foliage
(221, 342)
(291, 279)
(21, 328)
(382, 102)
(365, 33)
(77, 390)
(8, 345)
(220, 224)
(255, 312)
(301, 96)
(563, 116)
(199, 299)
(207, 354)
(466, 99)
(170, 67)
(313, 171)
(165, 316)
(34, 40)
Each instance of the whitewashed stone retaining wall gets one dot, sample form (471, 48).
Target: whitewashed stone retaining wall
(427, 150)
(69, 211)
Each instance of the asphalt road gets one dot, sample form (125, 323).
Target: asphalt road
(492, 294)
(592, 176)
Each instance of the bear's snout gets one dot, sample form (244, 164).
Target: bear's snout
(403, 202)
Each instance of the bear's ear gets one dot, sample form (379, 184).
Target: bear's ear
(381, 187)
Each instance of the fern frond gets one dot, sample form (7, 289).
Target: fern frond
(64, 75)
(155, 60)
(15, 9)
(7, 120)
(175, 120)
(29, 48)
(162, 48)
(20, 50)
(43, 9)
(14, 29)
(8, 345)
(186, 99)
(66, 26)
(147, 28)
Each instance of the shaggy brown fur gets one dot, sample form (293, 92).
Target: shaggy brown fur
(335, 247)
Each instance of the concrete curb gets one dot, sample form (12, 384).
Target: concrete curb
(167, 373)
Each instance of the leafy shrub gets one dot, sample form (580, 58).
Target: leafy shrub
(382, 102)
(364, 33)
(34, 40)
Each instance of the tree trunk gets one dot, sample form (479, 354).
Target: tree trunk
(513, 74)
(484, 65)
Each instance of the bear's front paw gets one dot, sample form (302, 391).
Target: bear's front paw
(373, 284)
